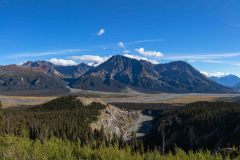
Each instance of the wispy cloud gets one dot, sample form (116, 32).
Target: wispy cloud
(214, 61)
(121, 45)
(62, 62)
(145, 41)
(236, 63)
(203, 56)
(44, 53)
(101, 32)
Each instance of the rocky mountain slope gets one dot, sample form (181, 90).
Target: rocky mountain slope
(74, 71)
(19, 79)
(120, 72)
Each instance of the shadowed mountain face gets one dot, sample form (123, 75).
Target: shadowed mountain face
(237, 86)
(15, 78)
(228, 80)
(120, 72)
(73, 71)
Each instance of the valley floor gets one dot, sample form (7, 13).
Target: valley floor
(128, 97)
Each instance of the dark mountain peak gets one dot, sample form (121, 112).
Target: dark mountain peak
(118, 57)
(180, 64)
(232, 76)
(177, 66)
(119, 64)
(119, 72)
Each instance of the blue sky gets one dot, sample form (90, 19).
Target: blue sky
(204, 33)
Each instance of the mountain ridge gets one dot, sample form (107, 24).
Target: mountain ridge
(120, 72)
(114, 75)
(73, 71)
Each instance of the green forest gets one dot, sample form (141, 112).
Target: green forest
(59, 129)
(22, 148)
(200, 125)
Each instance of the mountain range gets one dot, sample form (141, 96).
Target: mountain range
(120, 72)
(229, 80)
(115, 74)
(74, 71)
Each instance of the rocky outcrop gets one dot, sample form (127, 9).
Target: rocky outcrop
(113, 119)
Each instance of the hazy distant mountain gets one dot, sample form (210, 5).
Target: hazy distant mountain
(237, 86)
(227, 80)
(20, 79)
(120, 72)
(57, 70)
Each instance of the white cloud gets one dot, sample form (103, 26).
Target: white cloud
(140, 58)
(236, 64)
(45, 53)
(149, 53)
(93, 64)
(208, 57)
(62, 62)
(121, 45)
(214, 74)
(101, 32)
(213, 61)
(126, 51)
(91, 59)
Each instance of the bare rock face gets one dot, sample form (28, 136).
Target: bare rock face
(113, 119)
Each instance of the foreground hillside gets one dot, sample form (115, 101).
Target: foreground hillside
(200, 125)
(65, 118)
(70, 117)
(81, 128)
(22, 148)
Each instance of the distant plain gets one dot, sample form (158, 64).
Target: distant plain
(128, 96)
